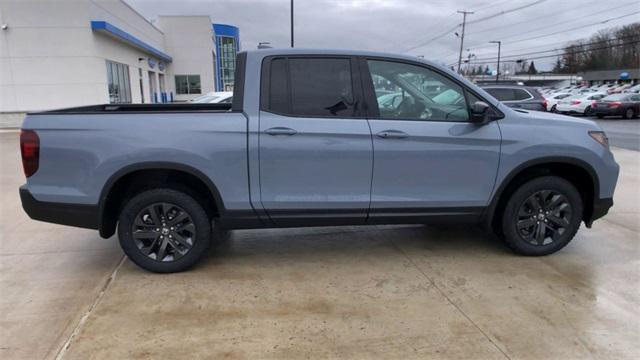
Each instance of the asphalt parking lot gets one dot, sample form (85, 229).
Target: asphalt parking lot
(347, 292)
(622, 133)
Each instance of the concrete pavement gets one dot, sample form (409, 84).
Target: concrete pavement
(348, 292)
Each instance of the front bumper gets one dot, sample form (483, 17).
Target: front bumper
(607, 111)
(600, 208)
(79, 215)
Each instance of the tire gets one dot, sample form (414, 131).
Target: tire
(629, 114)
(600, 116)
(185, 234)
(524, 239)
(587, 111)
(553, 109)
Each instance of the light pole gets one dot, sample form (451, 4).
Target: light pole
(291, 23)
(499, 46)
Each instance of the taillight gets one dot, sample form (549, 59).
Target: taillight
(544, 103)
(615, 103)
(575, 102)
(30, 150)
(593, 104)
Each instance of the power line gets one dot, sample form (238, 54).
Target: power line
(564, 30)
(504, 12)
(565, 53)
(561, 49)
(563, 43)
(553, 25)
(475, 21)
(494, 4)
(435, 26)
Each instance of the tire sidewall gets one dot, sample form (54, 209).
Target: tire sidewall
(512, 236)
(184, 201)
(629, 114)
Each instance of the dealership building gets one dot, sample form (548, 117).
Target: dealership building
(56, 54)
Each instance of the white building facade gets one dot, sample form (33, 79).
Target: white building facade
(63, 53)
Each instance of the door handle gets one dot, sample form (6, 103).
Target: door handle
(279, 130)
(392, 134)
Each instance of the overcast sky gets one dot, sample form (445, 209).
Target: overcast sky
(402, 25)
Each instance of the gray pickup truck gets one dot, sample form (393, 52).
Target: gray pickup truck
(316, 138)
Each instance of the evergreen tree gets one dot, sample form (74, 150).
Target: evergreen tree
(532, 69)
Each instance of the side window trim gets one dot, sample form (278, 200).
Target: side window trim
(371, 103)
(356, 85)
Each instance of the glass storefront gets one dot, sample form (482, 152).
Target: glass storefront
(118, 83)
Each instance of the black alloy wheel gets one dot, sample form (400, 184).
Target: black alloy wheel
(543, 217)
(163, 232)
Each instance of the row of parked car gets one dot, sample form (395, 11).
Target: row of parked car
(599, 100)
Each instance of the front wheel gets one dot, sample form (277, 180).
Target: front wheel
(164, 230)
(542, 216)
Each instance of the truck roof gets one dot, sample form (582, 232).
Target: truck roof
(344, 52)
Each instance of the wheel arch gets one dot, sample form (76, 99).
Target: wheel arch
(118, 186)
(576, 171)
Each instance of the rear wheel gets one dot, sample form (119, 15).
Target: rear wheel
(587, 111)
(629, 114)
(164, 230)
(542, 216)
(554, 109)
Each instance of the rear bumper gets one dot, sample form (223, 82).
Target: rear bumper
(84, 216)
(569, 110)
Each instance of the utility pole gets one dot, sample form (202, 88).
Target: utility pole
(291, 23)
(464, 22)
(498, 70)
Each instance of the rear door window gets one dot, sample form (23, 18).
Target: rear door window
(521, 94)
(310, 87)
(502, 94)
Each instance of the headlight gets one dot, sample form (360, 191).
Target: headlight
(600, 137)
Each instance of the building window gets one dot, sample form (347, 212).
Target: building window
(188, 84)
(227, 48)
(118, 83)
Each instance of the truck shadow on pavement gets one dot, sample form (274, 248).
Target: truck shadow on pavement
(303, 244)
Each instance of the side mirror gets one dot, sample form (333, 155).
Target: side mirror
(479, 112)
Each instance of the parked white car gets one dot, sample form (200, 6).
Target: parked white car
(214, 98)
(552, 100)
(580, 104)
(633, 89)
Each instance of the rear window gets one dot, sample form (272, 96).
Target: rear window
(310, 87)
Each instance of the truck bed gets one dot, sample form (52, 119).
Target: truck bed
(137, 108)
